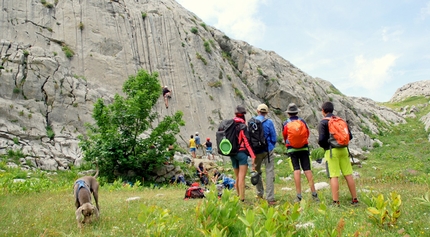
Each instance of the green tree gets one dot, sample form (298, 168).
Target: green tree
(117, 139)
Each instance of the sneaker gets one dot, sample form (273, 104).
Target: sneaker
(315, 198)
(271, 203)
(298, 199)
(335, 204)
(354, 202)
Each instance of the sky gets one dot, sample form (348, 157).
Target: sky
(364, 48)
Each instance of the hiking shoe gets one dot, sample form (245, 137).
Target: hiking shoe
(335, 204)
(298, 199)
(354, 202)
(315, 198)
(271, 203)
(259, 197)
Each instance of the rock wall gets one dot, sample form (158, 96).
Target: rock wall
(58, 58)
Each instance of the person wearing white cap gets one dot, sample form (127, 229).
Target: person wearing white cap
(264, 156)
(166, 96)
(197, 139)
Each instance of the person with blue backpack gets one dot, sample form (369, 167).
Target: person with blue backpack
(263, 153)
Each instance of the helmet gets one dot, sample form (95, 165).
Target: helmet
(255, 177)
(207, 139)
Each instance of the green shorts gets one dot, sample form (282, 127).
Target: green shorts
(339, 162)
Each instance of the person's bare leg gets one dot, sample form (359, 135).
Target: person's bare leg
(236, 186)
(334, 184)
(241, 179)
(297, 181)
(310, 177)
(351, 185)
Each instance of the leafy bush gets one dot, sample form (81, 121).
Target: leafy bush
(49, 132)
(317, 153)
(194, 30)
(215, 84)
(115, 141)
(67, 51)
(207, 47)
(199, 56)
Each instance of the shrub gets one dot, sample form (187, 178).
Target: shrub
(317, 153)
(49, 132)
(202, 58)
(114, 139)
(203, 25)
(194, 30)
(207, 47)
(215, 84)
(69, 52)
(143, 15)
(81, 26)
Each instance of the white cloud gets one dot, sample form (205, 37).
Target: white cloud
(425, 11)
(391, 33)
(237, 18)
(372, 74)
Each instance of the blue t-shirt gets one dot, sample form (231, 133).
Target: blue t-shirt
(197, 139)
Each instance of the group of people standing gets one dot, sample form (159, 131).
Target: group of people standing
(194, 144)
(337, 158)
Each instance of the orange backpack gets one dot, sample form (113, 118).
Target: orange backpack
(339, 132)
(297, 133)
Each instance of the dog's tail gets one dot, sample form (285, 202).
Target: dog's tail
(97, 170)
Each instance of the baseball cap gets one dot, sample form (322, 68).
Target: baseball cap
(263, 108)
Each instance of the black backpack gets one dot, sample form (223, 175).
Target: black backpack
(228, 133)
(256, 135)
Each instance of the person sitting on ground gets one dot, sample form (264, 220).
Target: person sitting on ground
(166, 96)
(208, 146)
(216, 177)
(202, 173)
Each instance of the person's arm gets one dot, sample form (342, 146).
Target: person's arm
(272, 134)
(323, 134)
(242, 137)
(285, 132)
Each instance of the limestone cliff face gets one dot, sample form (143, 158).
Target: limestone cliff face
(58, 58)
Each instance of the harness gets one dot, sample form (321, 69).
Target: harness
(81, 184)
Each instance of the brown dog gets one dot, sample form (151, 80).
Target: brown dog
(83, 188)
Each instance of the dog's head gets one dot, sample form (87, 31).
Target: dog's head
(87, 210)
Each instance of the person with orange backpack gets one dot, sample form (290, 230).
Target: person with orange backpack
(334, 137)
(296, 134)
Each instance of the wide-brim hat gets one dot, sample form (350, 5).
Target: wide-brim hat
(240, 110)
(292, 109)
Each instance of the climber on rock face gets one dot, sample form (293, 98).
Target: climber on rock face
(166, 96)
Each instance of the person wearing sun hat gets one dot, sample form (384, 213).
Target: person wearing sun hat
(263, 157)
(240, 160)
(299, 156)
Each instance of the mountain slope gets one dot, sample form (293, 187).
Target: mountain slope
(58, 59)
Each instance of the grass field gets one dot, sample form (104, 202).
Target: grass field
(392, 186)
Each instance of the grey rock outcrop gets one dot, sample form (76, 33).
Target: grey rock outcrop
(420, 88)
(58, 59)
